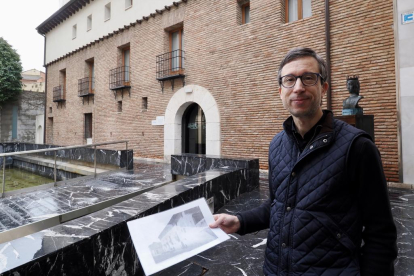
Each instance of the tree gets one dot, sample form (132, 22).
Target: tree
(10, 72)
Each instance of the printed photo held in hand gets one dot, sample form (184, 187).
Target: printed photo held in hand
(164, 239)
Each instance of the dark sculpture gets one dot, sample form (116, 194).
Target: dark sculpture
(350, 104)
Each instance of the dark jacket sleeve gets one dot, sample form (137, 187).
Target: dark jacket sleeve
(379, 234)
(258, 218)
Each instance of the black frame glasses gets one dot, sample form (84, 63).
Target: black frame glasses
(308, 81)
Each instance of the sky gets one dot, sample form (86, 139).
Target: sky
(18, 22)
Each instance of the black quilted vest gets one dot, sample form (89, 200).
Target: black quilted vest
(315, 228)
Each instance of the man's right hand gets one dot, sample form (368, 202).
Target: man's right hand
(228, 223)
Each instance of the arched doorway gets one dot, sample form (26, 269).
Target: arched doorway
(194, 130)
(174, 113)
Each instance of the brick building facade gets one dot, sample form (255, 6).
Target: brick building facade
(230, 64)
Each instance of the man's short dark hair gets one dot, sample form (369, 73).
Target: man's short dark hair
(301, 52)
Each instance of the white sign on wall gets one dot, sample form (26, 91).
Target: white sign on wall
(159, 121)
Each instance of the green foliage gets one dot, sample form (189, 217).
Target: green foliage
(10, 72)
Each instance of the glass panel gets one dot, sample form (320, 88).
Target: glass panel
(93, 76)
(247, 14)
(196, 130)
(306, 8)
(175, 45)
(182, 48)
(126, 64)
(293, 10)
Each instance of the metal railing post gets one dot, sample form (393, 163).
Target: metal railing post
(4, 177)
(54, 169)
(94, 160)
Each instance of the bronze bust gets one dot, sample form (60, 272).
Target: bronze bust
(350, 104)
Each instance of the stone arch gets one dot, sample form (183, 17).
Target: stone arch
(174, 114)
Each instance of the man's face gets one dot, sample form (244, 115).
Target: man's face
(302, 101)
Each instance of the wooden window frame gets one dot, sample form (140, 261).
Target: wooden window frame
(300, 10)
(180, 47)
(90, 129)
(243, 9)
(127, 48)
(63, 76)
(91, 65)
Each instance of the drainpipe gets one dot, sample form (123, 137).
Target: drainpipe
(45, 101)
(398, 92)
(328, 54)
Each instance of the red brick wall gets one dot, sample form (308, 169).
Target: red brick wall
(363, 44)
(238, 65)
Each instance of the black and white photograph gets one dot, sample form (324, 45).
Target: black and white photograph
(166, 238)
(184, 232)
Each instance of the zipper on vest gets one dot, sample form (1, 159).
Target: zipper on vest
(311, 140)
(318, 138)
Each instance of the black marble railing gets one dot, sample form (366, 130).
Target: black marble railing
(190, 164)
(100, 243)
(103, 156)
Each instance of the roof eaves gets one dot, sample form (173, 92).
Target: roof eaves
(66, 10)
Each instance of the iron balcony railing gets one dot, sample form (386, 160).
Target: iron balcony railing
(170, 65)
(86, 87)
(59, 94)
(119, 78)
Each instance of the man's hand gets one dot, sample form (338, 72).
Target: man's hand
(227, 223)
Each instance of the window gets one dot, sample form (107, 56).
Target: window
(176, 49)
(144, 103)
(108, 11)
(120, 106)
(50, 109)
(91, 74)
(88, 125)
(74, 31)
(298, 9)
(128, 4)
(245, 13)
(89, 23)
(125, 63)
(62, 82)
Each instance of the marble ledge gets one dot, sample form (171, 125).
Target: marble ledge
(103, 156)
(99, 243)
(190, 164)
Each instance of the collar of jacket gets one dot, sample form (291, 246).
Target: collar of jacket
(323, 138)
(327, 126)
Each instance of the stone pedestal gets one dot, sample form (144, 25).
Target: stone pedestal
(364, 122)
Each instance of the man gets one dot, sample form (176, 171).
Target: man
(328, 211)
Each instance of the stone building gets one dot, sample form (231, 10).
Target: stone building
(33, 80)
(201, 76)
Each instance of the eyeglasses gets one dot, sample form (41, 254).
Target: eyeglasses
(308, 79)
